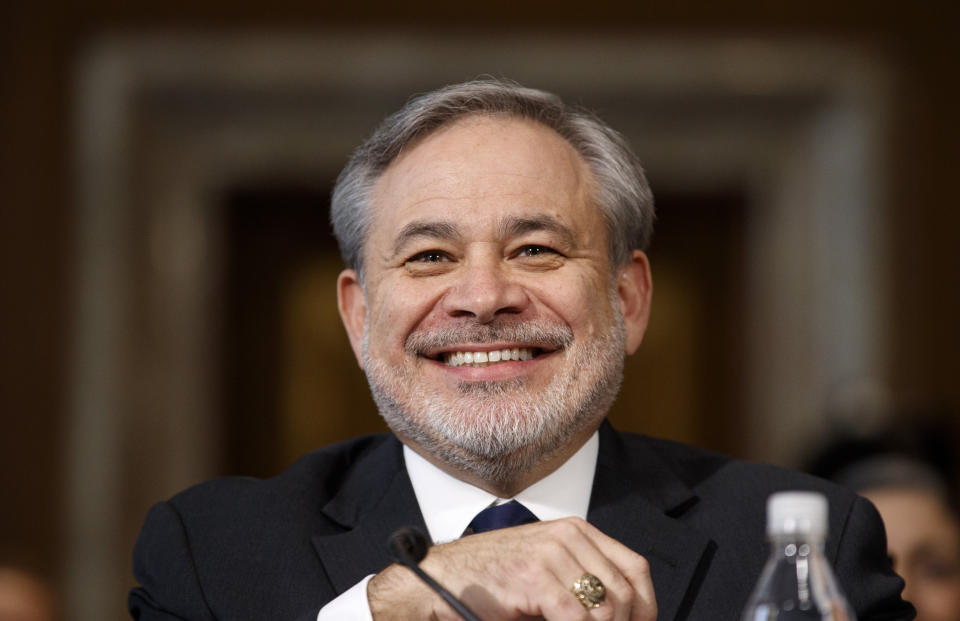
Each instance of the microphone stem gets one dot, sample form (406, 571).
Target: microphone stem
(447, 596)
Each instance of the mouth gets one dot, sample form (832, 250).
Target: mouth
(485, 346)
(487, 358)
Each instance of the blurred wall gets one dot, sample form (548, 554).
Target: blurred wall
(38, 43)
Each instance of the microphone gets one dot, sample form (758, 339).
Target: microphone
(409, 543)
(409, 546)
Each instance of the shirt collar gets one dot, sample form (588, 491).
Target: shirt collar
(449, 504)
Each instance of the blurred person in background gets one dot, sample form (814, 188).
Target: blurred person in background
(908, 473)
(25, 596)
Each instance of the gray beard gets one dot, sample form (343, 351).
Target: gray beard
(499, 430)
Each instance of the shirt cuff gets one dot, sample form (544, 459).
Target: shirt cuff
(351, 605)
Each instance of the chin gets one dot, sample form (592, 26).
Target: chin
(498, 432)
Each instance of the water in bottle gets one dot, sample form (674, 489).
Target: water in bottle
(797, 583)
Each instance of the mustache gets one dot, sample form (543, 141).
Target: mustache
(546, 335)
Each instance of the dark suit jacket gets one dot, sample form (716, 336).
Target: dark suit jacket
(278, 549)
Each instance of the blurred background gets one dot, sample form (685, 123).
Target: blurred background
(167, 310)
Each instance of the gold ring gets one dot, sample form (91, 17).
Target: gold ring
(589, 590)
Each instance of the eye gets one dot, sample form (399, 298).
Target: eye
(937, 568)
(535, 250)
(429, 256)
(538, 257)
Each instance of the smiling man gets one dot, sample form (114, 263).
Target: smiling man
(494, 343)
(496, 280)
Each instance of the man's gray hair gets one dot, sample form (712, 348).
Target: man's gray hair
(621, 189)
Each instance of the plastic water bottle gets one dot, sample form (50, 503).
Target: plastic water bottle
(797, 582)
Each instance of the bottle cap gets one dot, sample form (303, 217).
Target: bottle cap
(802, 513)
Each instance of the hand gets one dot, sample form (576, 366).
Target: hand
(519, 573)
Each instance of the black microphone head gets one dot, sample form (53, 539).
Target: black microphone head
(408, 545)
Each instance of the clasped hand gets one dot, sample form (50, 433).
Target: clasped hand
(521, 573)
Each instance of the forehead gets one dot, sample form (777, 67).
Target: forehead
(483, 168)
(913, 516)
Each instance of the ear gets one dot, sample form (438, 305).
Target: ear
(352, 304)
(635, 292)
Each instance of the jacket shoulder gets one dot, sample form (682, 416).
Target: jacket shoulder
(197, 547)
(220, 513)
(730, 495)
(707, 472)
(311, 480)
(730, 507)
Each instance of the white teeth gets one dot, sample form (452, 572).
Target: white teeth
(484, 358)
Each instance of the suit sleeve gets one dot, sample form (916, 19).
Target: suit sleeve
(163, 565)
(864, 569)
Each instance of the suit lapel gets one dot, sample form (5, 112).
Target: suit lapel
(375, 500)
(636, 499)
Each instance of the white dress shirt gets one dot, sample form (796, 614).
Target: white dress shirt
(448, 505)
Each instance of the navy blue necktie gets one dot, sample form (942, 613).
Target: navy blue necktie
(501, 516)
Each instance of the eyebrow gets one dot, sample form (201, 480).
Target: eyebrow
(510, 227)
(432, 229)
(515, 227)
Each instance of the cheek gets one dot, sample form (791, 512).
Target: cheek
(580, 304)
(397, 314)
(936, 601)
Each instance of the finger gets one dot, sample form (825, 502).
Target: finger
(556, 554)
(620, 594)
(632, 566)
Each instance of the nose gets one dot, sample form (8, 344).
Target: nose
(483, 291)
